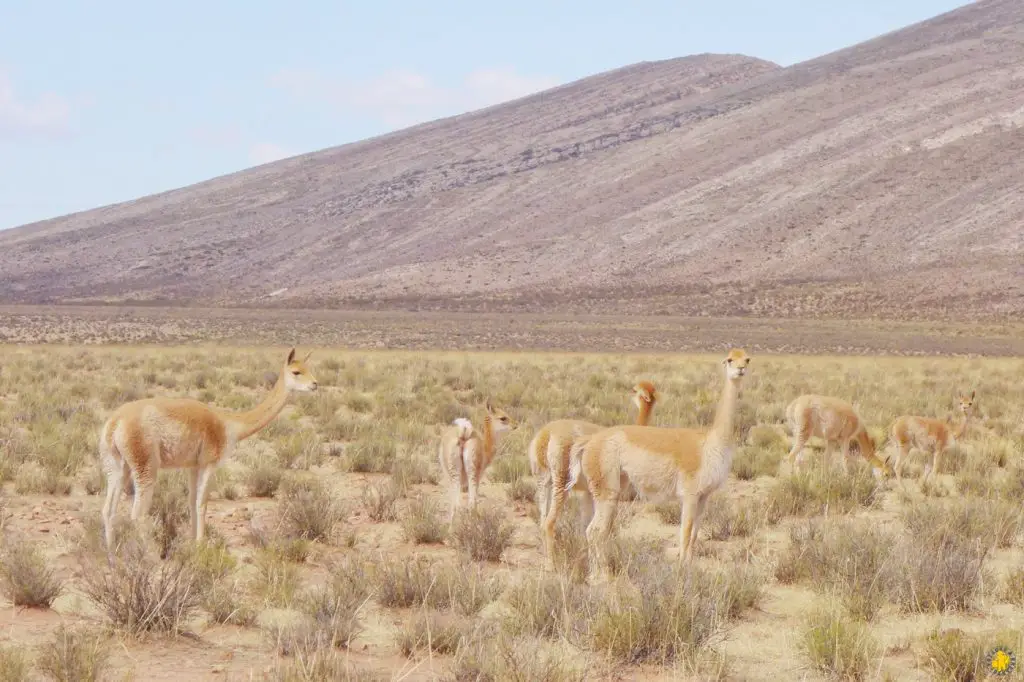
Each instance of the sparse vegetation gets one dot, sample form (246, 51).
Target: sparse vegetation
(336, 530)
(26, 578)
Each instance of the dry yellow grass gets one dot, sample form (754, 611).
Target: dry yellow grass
(328, 553)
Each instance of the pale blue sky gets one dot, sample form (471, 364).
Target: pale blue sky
(111, 100)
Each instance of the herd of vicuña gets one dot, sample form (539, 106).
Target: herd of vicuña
(601, 464)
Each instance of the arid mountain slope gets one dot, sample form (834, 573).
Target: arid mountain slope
(885, 179)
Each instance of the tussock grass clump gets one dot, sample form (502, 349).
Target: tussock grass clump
(379, 501)
(140, 593)
(457, 587)
(74, 655)
(482, 534)
(991, 521)
(409, 471)
(838, 645)
(277, 579)
(371, 455)
(25, 576)
(842, 557)
(751, 462)
(739, 519)
(401, 584)
(14, 665)
(508, 469)
(521, 490)
(308, 509)
(490, 658)
(170, 507)
(316, 663)
(434, 632)
(812, 491)
(300, 451)
(263, 480)
(1013, 587)
(226, 604)
(422, 522)
(660, 615)
(544, 607)
(955, 655)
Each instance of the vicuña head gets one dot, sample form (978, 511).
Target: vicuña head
(736, 364)
(297, 376)
(965, 403)
(644, 394)
(500, 421)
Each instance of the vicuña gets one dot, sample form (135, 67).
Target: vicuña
(929, 435)
(144, 436)
(464, 453)
(549, 463)
(837, 423)
(659, 462)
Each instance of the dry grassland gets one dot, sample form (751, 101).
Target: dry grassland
(330, 557)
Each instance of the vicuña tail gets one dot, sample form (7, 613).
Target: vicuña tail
(576, 461)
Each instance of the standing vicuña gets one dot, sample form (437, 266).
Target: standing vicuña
(549, 463)
(659, 462)
(464, 454)
(144, 436)
(837, 423)
(934, 435)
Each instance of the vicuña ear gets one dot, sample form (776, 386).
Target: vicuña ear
(488, 406)
(972, 395)
(307, 356)
(291, 357)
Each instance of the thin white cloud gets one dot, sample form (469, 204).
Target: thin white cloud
(47, 114)
(265, 152)
(404, 97)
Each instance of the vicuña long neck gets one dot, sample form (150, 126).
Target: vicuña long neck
(488, 440)
(722, 428)
(252, 421)
(959, 430)
(644, 415)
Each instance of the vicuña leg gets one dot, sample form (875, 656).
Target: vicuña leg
(598, 532)
(901, 452)
(936, 458)
(544, 493)
(558, 493)
(193, 481)
(844, 450)
(469, 464)
(202, 493)
(687, 516)
(117, 474)
(698, 516)
(800, 436)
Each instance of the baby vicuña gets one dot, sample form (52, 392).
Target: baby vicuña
(929, 435)
(464, 453)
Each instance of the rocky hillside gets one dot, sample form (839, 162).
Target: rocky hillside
(882, 180)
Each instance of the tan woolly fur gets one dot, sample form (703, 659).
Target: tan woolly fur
(837, 423)
(929, 435)
(143, 436)
(465, 453)
(659, 462)
(549, 454)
